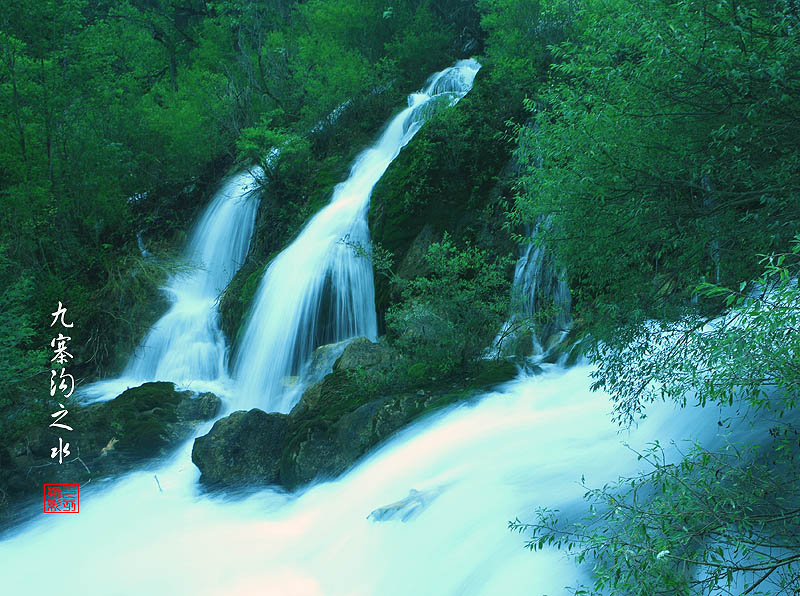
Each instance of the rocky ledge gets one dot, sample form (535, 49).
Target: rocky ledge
(108, 438)
(336, 421)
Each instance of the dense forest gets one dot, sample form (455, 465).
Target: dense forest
(651, 147)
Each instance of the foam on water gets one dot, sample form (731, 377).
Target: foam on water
(522, 447)
(186, 346)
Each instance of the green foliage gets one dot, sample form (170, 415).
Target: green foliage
(519, 36)
(448, 178)
(447, 318)
(421, 45)
(716, 522)
(155, 99)
(667, 138)
(718, 519)
(317, 81)
(23, 363)
(20, 358)
(747, 355)
(663, 149)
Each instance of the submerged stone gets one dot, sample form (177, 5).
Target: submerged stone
(405, 509)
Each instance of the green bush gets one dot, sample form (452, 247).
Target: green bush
(714, 520)
(447, 318)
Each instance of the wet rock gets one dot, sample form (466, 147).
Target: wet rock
(203, 407)
(315, 456)
(243, 448)
(362, 353)
(415, 262)
(336, 422)
(108, 438)
(322, 361)
(146, 421)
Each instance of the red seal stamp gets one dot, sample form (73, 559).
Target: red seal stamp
(61, 498)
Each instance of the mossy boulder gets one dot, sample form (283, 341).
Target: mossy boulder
(108, 438)
(362, 353)
(336, 422)
(242, 448)
(145, 421)
(138, 419)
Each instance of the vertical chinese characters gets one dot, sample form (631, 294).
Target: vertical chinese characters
(60, 381)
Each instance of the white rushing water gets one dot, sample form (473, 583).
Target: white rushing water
(426, 513)
(318, 290)
(480, 465)
(540, 286)
(543, 285)
(186, 346)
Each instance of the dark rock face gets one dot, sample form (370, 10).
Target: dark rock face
(242, 448)
(108, 438)
(335, 423)
(362, 353)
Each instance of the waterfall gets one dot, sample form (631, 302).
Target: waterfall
(318, 290)
(481, 465)
(543, 286)
(186, 346)
(542, 297)
(455, 478)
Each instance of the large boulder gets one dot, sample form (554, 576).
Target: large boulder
(108, 438)
(362, 353)
(335, 423)
(143, 422)
(243, 448)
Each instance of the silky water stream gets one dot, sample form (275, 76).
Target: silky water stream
(424, 514)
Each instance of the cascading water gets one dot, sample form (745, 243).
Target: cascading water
(540, 288)
(186, 346)
(425, 514)
(318, 290)
(479, 465)
(543, 285)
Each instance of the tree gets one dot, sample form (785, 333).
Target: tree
(447, 317)
(664, 153)
(666, 139)
(716, 521)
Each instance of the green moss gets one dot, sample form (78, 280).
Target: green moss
(418, 371)
(449, 177)
(342, 407)
(339, 395)
(138, 418)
